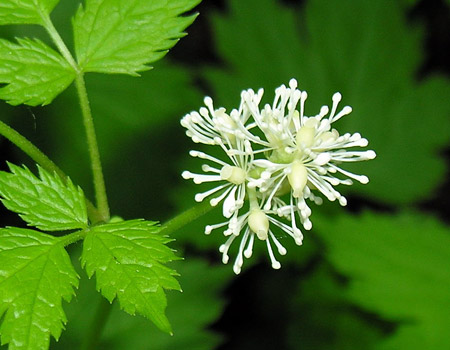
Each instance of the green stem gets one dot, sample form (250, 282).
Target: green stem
(39, 157)
(48, 24)
(74, 237)
(104, 308)
(96, 165)
(186, 217)
(31, 150)
(90, 342)
(94, 154)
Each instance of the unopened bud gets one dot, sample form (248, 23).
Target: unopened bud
(298, 178)
(233, 174)
(258, 223)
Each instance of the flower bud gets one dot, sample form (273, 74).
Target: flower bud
(233, 174)
(297, 178)
(258, 223)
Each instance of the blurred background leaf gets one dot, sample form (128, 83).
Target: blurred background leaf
(398, 269)
(322, 318)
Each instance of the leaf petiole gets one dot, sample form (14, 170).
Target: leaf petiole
(74, 237)
(51, 30)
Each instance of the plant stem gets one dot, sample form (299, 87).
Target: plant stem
(31, 150)
(186, 217)
(104, 308)
(90, 342)
(96, 165)
(39, 157)
(94, 154)
(74, 237)
(48, 24)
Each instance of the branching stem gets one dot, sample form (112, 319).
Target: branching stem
(94, 154)
(51, 30)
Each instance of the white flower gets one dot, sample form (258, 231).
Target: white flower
(306, 151)
(211, 124)
(278, 159)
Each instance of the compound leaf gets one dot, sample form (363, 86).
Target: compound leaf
(33, 72)
(123, 36)
(45, 202)
(128, 259)
(35, 275)
(398, 268)
(25, 11)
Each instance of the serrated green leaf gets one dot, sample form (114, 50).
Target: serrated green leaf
(25, 11)
(33, 72)
(398, 268)
(191, 313)
(123, 36)
(45, 202)
(128, 259)
(35, 275)
(371, 58)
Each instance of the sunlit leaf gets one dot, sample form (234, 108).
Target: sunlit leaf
(45, 202)
(33, 72)
(25, 11)
(35, 275)
(128, 259)
(123, 36)
(191, 313)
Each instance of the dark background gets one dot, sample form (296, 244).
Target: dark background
(142, 174)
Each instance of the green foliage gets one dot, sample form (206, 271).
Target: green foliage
(322, 318)
(371, 58)
(34, 73)
(122, 36)
(35, 275)
(190, 314)
(45, 202)
(111, 36)
(122, 115)
(25, 11)
(398, 269)
(127, 258)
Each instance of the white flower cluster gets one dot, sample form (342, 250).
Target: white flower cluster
(277, 158)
